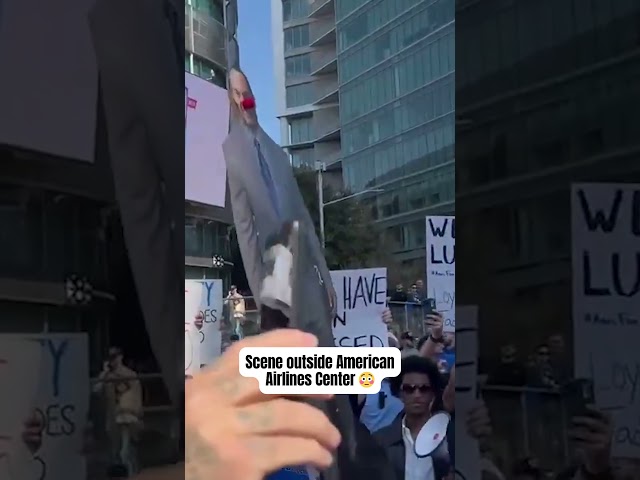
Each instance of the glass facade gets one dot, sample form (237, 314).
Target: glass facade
(396, 70)
(295, 9)
(298, 95)
(297, 66)
(296, 37)
(205, 236)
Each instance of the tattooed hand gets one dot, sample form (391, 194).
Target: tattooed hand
(234, 431)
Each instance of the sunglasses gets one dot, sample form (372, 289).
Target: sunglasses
(412, 388)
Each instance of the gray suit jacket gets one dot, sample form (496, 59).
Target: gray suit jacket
(253, 214)
(141, 106)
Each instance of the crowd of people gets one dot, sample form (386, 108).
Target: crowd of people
(396, 414)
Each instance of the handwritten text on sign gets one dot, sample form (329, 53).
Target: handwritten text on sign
(441, 266)
(606, 301)
(203, 312)
(362, 296)
(59, 397)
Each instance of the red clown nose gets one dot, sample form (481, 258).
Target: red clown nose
(249, 103)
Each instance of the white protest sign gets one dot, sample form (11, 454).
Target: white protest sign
(441, 266)
(211, 313)
(362, 298)
(606, 302)
(50, 376)
(467, 465)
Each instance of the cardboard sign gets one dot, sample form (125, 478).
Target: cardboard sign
(441, 266)
(203, 343)
(362, 298)
(48, 375)
(606, 302)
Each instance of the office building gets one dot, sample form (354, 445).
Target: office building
(396, 63)
(210, 46)
(305, 66)
(390, 121)
(547, 107)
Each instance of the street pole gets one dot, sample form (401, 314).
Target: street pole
(319, 168)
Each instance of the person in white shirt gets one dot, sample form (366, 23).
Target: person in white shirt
(420, 387)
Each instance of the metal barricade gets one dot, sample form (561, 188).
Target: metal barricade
(527, 422)
(408, 316)
(158, 441)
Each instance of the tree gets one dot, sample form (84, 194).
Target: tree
(352, 240)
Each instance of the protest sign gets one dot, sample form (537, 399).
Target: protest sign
(49, 377)
(606, 302)
(203, 340)
(441, 266)
(211, 312)
(468, 464)
(362, 298)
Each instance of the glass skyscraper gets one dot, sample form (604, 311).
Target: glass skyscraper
(210, 46)
(396, 73)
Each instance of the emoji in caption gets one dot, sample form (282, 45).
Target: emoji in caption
(366, 379)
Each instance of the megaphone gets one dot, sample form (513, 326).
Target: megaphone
(432, 434)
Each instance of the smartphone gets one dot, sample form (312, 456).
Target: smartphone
(577, 395)
(429, 306)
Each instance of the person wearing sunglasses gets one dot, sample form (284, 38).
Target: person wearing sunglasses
(419, 387)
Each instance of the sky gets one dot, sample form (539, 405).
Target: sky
(256, 59)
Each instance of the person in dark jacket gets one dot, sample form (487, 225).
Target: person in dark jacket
(420, 387)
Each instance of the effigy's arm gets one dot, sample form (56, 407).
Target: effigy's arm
(316, 248)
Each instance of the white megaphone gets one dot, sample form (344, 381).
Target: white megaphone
(432, 434)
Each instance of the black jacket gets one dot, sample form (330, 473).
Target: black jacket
(390, 439)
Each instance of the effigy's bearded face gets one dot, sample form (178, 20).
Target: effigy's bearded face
(243, 102)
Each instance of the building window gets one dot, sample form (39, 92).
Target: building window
(299, 95)
(296, 37)
(298, 66)
(295, 9)
(204, 238)
(300, 130)
(209, 71)
(211, 8)
(301, 158)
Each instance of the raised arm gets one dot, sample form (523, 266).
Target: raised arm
(316, 249)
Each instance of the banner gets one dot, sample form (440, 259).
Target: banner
(605, 224)
(49, 375)
(207, 124)
(56, 50)
(441, 266)
(203, 339)
(362, 298)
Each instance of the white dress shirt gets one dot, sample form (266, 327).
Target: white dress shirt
(415, 468)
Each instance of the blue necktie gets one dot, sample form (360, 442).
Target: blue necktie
(268, 179)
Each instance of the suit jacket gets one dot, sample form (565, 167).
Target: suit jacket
(253, 214)
(142, 108)
(390, 438)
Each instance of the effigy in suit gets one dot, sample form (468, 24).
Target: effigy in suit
(268, 210)
(144, 144)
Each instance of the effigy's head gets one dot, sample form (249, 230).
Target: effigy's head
(243, 104)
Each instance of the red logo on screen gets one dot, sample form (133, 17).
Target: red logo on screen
(192, 102)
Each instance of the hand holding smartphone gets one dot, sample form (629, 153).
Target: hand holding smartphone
(578, 396)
